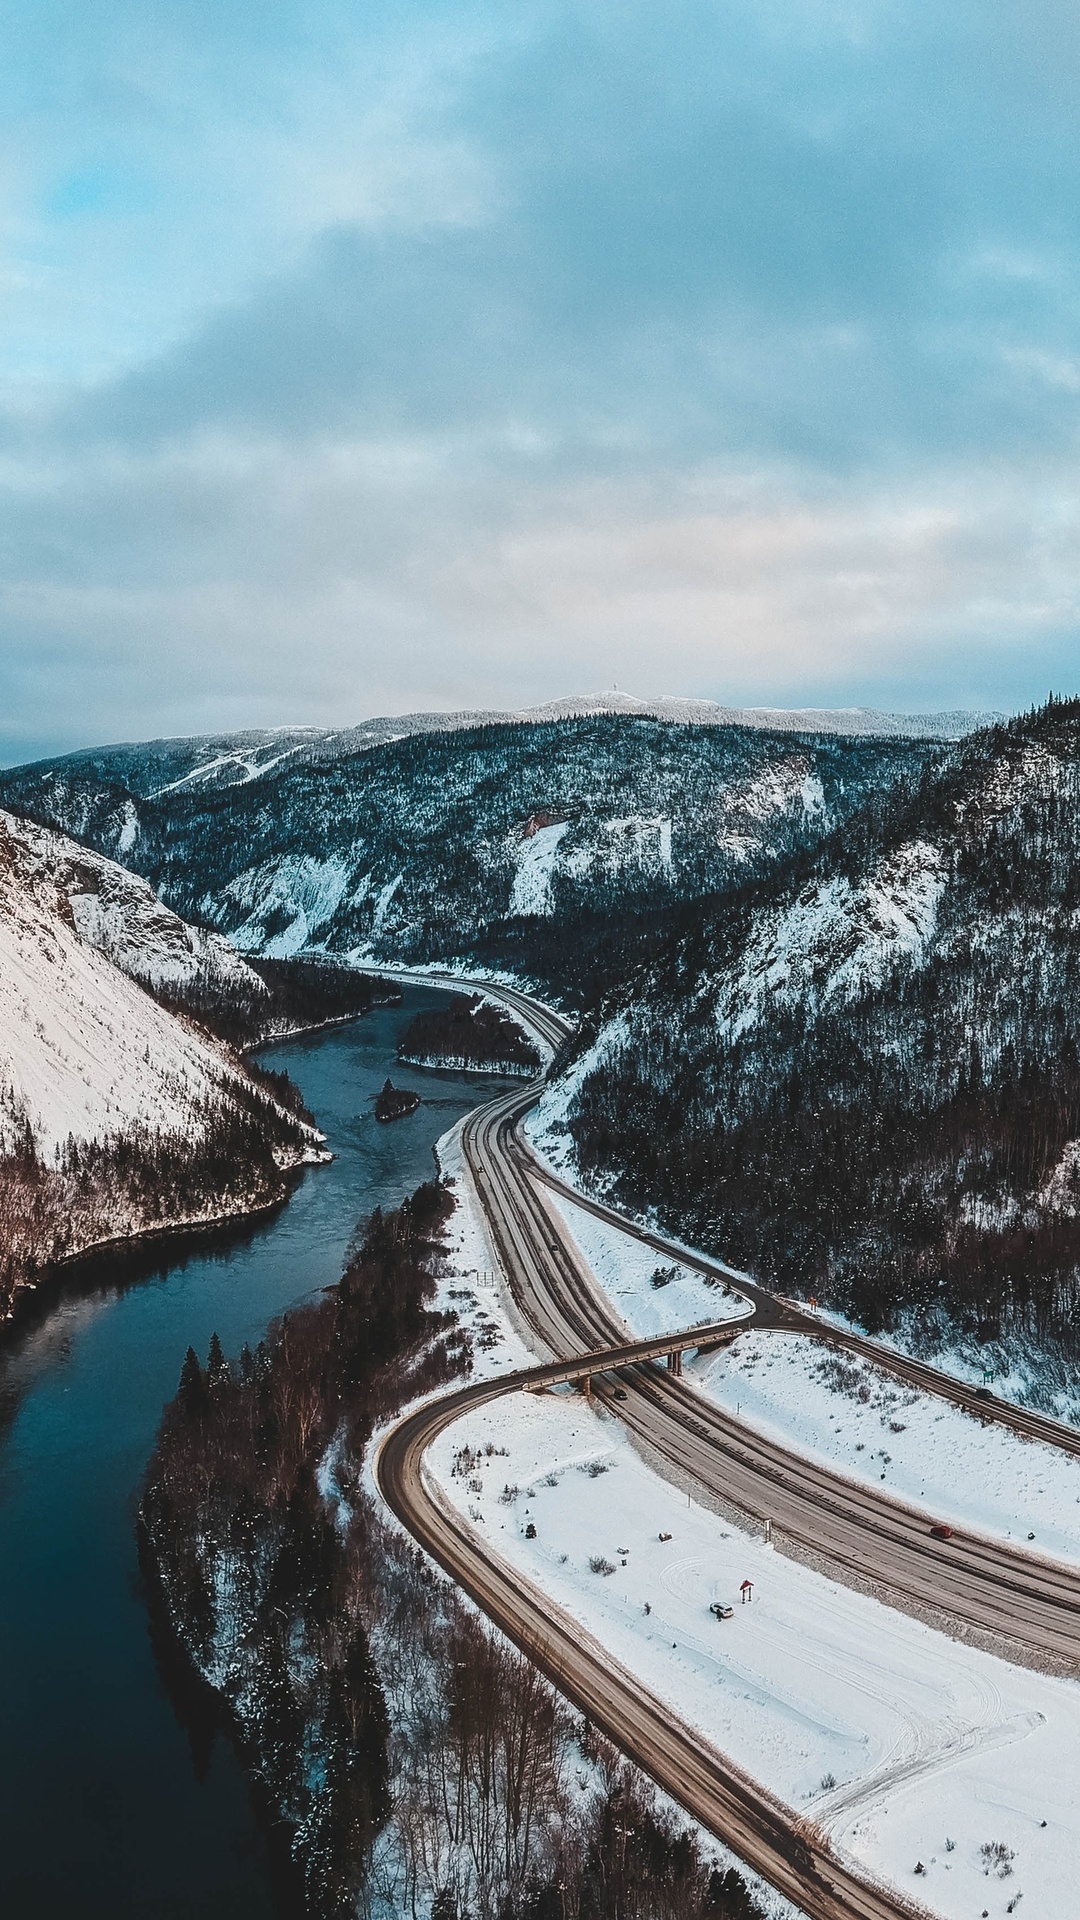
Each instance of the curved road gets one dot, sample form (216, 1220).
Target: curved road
(858, 1532)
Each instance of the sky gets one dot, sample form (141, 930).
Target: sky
(358, 359)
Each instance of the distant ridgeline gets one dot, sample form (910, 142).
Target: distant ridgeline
(558, 847)
(469, 1033)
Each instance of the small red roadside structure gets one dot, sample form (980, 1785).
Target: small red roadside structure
(747, 1590)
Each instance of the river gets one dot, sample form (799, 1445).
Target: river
(108, 1806)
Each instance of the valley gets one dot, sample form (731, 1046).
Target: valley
(810, 1066)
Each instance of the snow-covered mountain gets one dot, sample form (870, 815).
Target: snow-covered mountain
(84, 1052)
(153, 767)
(115, 1113)
(863, 1075)
(463, 841)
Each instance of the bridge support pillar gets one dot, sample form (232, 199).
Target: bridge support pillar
(674, 1361)
(586, 1385)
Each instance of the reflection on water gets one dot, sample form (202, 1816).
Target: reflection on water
(108, 1805)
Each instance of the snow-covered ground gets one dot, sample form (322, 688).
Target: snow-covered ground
(904, 1745)
(834, 1407)
(844, 1411)
(629, 1272)
(893, 1738)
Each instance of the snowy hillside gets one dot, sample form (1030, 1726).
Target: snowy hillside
(864, 1078)
(84, 1052)
(117, 913)
(115, 1113)
(462, 842)
(153, 767)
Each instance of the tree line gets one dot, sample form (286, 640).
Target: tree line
(421, 1765)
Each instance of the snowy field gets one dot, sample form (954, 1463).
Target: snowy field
(906, 1747)
(851, 1415)
(903, 1745)
(652, 1294)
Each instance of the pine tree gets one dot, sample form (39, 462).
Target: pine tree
(217, 1367)
(191, 1394)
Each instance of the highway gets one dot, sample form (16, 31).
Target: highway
(772, 1839)
(856, 1533)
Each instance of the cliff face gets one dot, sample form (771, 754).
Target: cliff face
(116, 1115)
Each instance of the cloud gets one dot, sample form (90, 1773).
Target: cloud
(425, 357)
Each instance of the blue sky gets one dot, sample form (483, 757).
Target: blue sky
(361, 359)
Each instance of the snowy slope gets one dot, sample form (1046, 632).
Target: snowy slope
(119, 914)
(84, 1050)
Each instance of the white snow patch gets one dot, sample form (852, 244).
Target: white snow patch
(129, 828)
(534, 859)
(625, 1269)
(382, 903)
(1061, 1192)
(308, 890)
(787, 786)
(545, 1124)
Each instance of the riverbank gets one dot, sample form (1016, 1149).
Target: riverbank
(111, 1805)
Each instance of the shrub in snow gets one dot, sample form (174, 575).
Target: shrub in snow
(997, 1858)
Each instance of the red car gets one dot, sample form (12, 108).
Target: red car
(941, 1532)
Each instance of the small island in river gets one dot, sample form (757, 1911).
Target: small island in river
(469, 1034)
(393, 1103)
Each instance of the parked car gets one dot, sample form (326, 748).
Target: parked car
(941, 1532)
(721, 1611)
(665, 1536)
(983, 1393)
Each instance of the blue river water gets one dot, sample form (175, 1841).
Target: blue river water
(108, 1805)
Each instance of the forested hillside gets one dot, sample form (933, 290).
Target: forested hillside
(481, 843)
(861, 1076)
